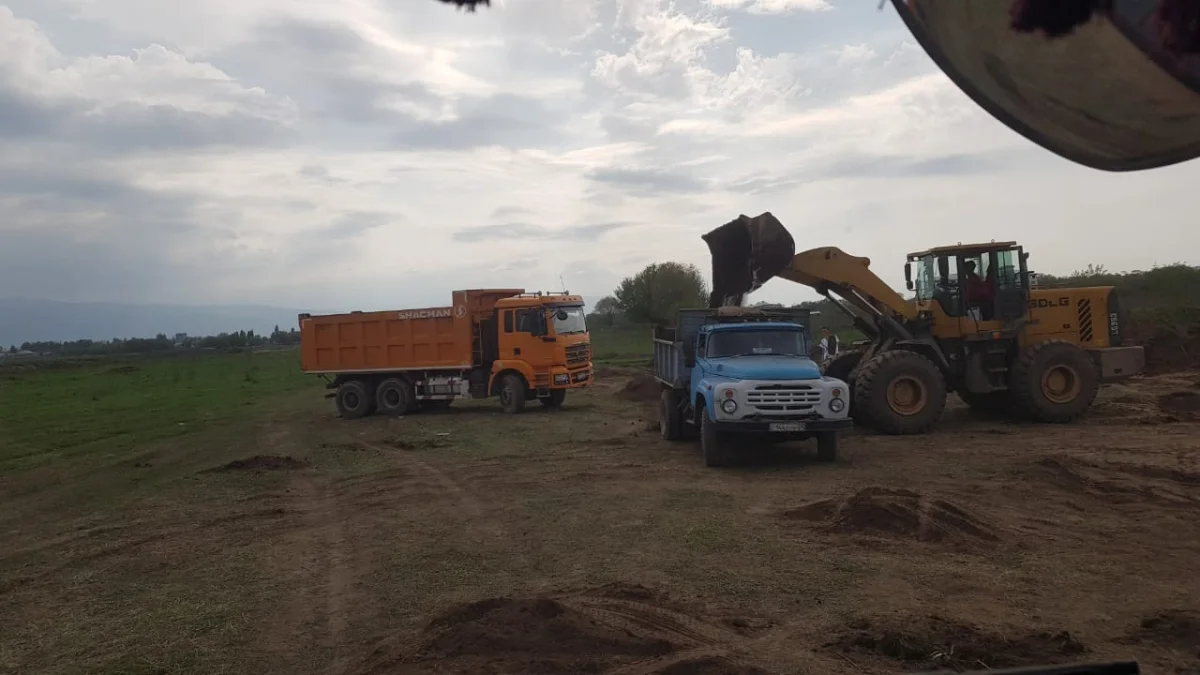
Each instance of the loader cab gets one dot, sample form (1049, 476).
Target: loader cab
(977, 283)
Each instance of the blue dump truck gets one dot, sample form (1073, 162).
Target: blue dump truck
(733, 374)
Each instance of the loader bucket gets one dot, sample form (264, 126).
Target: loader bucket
(1113, 85)
(747, 253)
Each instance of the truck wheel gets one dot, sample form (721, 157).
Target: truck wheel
(990, 403)
(352, 400)
(512, 393)
(670, 417)
(900, 392)
(394, 397)
(827, 446)
(711, 443)
(1054, 381)
(555, 400)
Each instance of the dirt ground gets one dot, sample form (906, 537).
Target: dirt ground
(579, 542)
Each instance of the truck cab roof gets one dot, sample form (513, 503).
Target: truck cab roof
(752, 325)
(533, 299)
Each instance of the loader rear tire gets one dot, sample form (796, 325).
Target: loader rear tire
(512, 393)
(395, 397)
(352, 400)
(1054, 381)
(899, 392)
(670, 417)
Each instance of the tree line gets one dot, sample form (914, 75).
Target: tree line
(1165, 295)
(159, 343)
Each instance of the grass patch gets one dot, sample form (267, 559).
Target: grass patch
(107, 407)
(625, 345)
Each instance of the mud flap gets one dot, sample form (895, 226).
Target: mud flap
(746, 253)
(1051, 75)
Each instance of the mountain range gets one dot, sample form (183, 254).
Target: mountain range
(32, 320)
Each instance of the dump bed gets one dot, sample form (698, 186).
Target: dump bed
(672, 344)
(430, 338)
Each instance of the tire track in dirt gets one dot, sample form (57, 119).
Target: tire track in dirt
(317, 563)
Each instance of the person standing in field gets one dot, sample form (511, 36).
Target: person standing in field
(828, 346)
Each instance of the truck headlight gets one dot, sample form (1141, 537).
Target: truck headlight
(837, 405)
(729, 406)
(562, 378)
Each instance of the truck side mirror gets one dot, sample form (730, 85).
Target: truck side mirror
(908, 282)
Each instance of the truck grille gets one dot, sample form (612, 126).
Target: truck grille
(578, 354)
(783, 397)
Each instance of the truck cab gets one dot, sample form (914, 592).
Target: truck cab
(746, 374)
(543, 338)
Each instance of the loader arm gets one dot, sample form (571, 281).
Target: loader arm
(829, 269)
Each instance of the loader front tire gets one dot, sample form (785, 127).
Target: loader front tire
(352, 400)
(512, 393)
(1054, 381)
(900, 392)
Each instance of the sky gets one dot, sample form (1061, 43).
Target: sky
(373, 154)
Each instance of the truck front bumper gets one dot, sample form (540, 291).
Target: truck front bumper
(808, 425)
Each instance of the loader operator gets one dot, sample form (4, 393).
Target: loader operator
(981, 293)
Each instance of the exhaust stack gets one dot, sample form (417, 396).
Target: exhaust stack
(746, 253)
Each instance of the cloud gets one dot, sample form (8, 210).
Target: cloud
(526, 231)
(372, 154)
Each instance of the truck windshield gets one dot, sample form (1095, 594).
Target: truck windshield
(757, 342)
(573, 323)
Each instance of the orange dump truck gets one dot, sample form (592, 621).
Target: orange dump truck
(493, 342)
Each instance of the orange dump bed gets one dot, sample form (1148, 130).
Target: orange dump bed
(410, 339)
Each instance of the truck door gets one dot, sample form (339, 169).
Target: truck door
(522, 339)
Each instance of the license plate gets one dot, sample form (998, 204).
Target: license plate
(787, 426)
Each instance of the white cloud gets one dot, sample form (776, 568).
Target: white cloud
(373, 153)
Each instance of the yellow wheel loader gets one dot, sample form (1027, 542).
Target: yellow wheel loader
(975, 327)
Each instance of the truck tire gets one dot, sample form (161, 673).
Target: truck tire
(900, 392)
(555, 400)
(394, 397)
(670, 417)
(991, 403)
(827, 446)
(352, 400)
(716, 453)
(1054, 381)
(512, 393)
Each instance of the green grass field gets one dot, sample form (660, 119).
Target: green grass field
(103, 408)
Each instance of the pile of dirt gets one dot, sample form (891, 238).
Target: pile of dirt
(1168, 351)
(504, 635)
(709, 666)
(1183, 403)
(1176, 629)
(643, 388)
(896, 513)
(937, 643)
(262, 463)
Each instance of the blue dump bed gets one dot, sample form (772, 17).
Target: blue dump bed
(672, 345)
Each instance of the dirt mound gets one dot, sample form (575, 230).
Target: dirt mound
(504, 635)
(1169, 347)
(1178, 629)
(709, 666)
(1180, 402)
(262, 463)
(934, 642)
(896, 513)
(642, 388)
